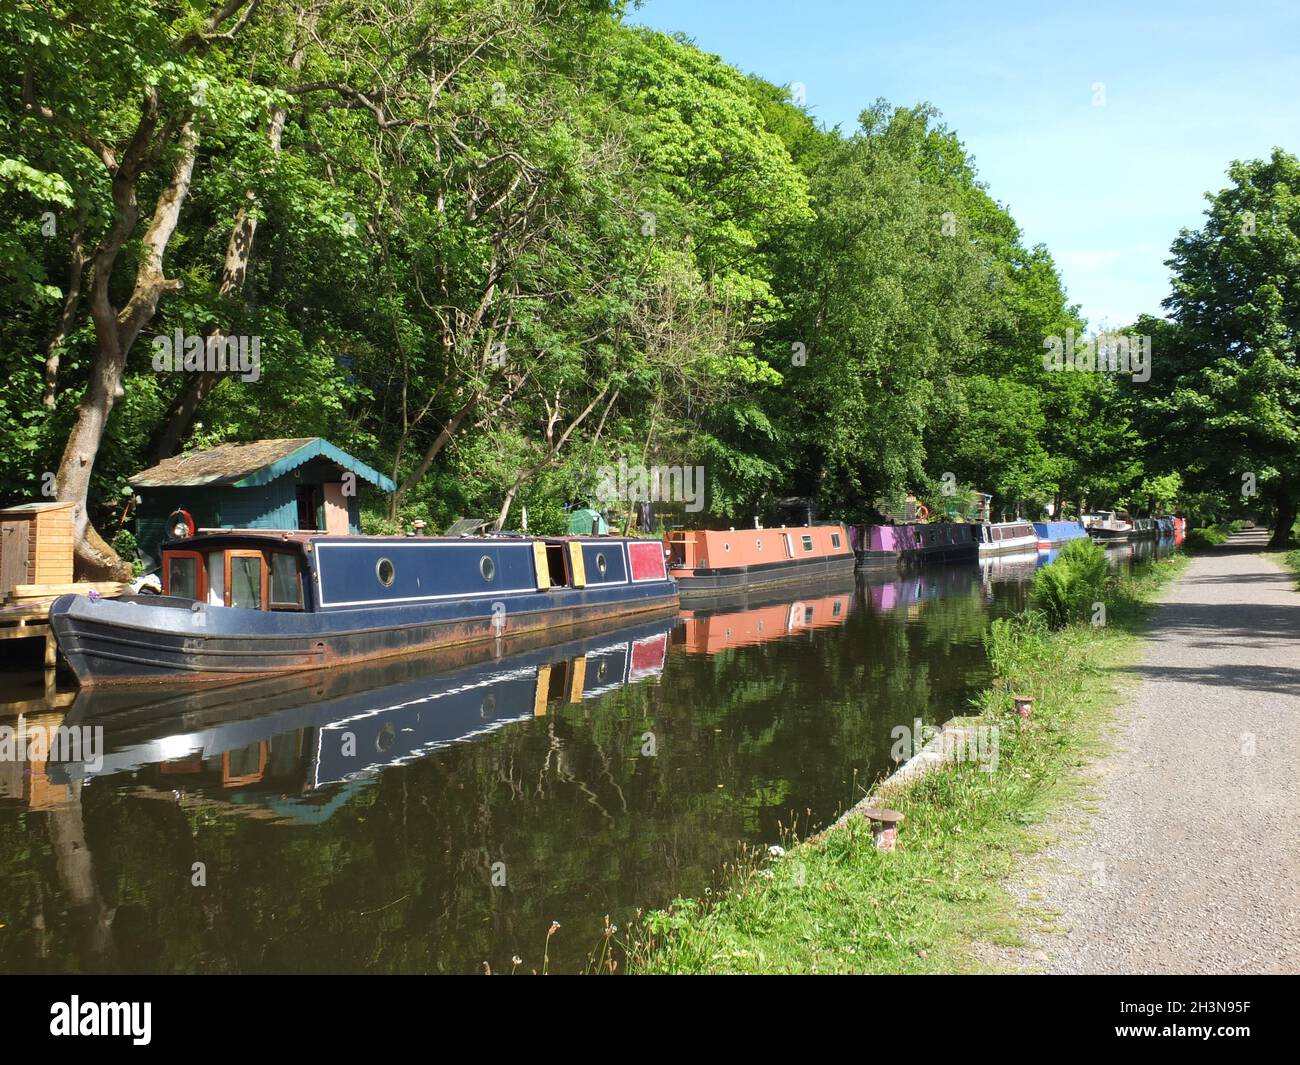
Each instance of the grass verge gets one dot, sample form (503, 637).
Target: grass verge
(834, 904)
(1292, 562)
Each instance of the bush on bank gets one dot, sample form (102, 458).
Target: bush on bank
(1067, 587)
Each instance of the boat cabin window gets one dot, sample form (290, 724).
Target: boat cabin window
(835, 539)
(286, 582)
(245, 579)
(184, 575)
(557, 566)
(807, 542)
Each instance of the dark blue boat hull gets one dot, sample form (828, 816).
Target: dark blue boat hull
(146, 639)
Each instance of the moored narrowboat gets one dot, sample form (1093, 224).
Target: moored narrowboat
(1006, 537)
(1109, 527)
(1054, 533)
(1144, 529)
(241, 603)
(891, 546)
(708, 561)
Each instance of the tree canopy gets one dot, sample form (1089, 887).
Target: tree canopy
(491, 245)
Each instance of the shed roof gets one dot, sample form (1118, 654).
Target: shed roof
(252, 464)
(36, 508)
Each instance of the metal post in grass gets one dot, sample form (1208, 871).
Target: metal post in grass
(1024, 705)
(884, 826)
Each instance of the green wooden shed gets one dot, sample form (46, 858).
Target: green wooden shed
(303, 483)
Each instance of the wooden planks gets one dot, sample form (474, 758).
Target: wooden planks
(108, 589)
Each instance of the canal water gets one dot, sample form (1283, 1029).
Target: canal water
(438, 814)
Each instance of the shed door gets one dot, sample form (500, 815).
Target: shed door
(336, 509)
(13, 555)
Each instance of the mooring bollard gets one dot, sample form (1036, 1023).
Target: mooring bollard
(1024, 705)
(884, 826)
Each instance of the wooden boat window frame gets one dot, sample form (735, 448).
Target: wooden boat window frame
(201, 564)
(240, 552)
(228, 780)
(271, 604)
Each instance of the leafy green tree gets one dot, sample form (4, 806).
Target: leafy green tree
(1228, 372)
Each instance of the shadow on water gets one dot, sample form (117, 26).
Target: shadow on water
(437, 812)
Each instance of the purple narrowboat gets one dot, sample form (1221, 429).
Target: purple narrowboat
(239, 603)
(923, 542)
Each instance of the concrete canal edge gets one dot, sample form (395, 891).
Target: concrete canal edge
(954, 739)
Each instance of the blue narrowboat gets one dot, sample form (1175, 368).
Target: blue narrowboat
(1054, 533)
(241, 603)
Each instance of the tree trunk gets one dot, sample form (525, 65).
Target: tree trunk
(1286, 516)
(115, 333)
(67, 320)
(430, 453)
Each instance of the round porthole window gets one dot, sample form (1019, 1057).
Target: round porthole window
(487, 567)
(601, 564)
(385, 572)
(726, 547)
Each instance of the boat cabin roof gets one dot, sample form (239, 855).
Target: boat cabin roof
(302, 538)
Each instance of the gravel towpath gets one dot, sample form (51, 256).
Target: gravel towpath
(1190, 860)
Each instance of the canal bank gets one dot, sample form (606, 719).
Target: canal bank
(837, 903)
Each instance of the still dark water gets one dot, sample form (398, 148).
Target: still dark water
(438, 813)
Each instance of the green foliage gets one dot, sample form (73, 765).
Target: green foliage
(557, 240)
(1066, 589)
(1227, 399)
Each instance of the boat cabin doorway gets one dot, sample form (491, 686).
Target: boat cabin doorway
(557, 565)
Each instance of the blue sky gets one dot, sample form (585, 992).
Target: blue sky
(1188, 87)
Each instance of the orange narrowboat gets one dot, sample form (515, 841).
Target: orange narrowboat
(708, 561)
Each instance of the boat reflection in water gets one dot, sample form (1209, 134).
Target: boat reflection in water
(304, 732)
(919, 586)
(719, 623)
